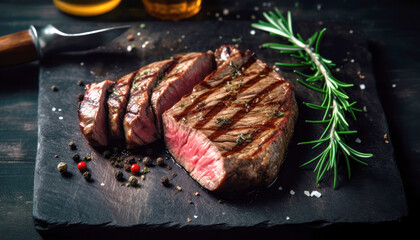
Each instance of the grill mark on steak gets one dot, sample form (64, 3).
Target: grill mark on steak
(189, 109)
(268, 125)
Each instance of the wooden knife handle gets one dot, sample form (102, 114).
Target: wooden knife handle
(17, 48)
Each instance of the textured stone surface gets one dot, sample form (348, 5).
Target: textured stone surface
(374, 193)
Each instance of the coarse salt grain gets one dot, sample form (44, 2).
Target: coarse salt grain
(59, 109)
(225, 11)
(280, 188)
(352, 60)
(129, 48)
(316, 194)
(307, 193)
(252, 32)
(362, 86)
(287, 218)
(60, 117)
(394, 85)
(358, 140)
(351, 31)
(292, 192)
(53, 109)
(195, 216)
(82, 63)
(102, 184)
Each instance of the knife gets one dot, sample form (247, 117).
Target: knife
(37, 42)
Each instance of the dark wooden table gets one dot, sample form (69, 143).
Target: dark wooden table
(393, 30)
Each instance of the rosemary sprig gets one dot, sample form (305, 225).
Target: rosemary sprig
(335, 102)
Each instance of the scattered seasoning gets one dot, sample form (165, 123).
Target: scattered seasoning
(54, 88)
(165, 181)
(278, 114)
(131, 47)
(147, 161)
(62, 167)
(127, 167)
(160, 161)
(178, 188)
(82, 166)
(223, 121)
(181, 105)
(87, 158)
(135, 168)
(239, 39)
(106, 154)
(145, 170)
(80, 97)
(358, 140)
(307, 193)
(119, 176)
(130, 37)
(169, 167)
(292, 192)
(316, 194)
(72, 145)
(80, 83)
(189, 219)
(190, 202)
(196, 193)
(87, 175)
(243, 138)
(362, 86)
(143, 177)
(76, 157)
(133, 181)
(142, 25)
(56, 156)
(220, 201)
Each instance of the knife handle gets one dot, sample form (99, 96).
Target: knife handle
(17, 48)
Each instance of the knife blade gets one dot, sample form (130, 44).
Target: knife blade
(38, 42)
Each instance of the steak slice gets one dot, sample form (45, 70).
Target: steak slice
(232, 131)
(117, 103)
(139, 121)
(92, 114)
(188, 70)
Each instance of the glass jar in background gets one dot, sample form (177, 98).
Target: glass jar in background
(86, 7)
(172, 9)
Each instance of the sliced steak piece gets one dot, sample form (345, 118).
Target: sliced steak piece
(117, 103)
(232, 131)
(188, 70)
(93, 114)
(139, 120)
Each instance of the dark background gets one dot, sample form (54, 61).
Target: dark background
(393, 31)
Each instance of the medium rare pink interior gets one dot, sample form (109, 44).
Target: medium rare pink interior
(195, 153)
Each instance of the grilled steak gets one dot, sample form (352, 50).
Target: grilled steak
(92, 113)
(139, 120)
(231, 132)
(188, 70)
(117, 103)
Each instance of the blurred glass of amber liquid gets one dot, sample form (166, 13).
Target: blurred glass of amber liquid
(172, 9)
(86, 7)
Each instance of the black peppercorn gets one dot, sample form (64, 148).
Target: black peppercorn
(127, 167)
(72, 145)
(76, 157)
(119, 176)
(131, 160)
(160, 161)
(106, 154)
(87, 175)
(147, 161)
(80, 97)
(165, 181)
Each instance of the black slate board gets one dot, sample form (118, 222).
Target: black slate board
(374, 193)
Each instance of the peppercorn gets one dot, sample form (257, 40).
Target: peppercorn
(82, 166)
(80, 83)
(72, 145)
(131, 160)
(119, 176)
(54, 88)
(56, 156)
(87, 158)
(127, 167)
(62, 167)
(87, 175)
(106, 154)
(160, 161)
(135, 168)
(76, 157)
(133, 181)
(147, 161)
(80, 97)
(165, 181)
